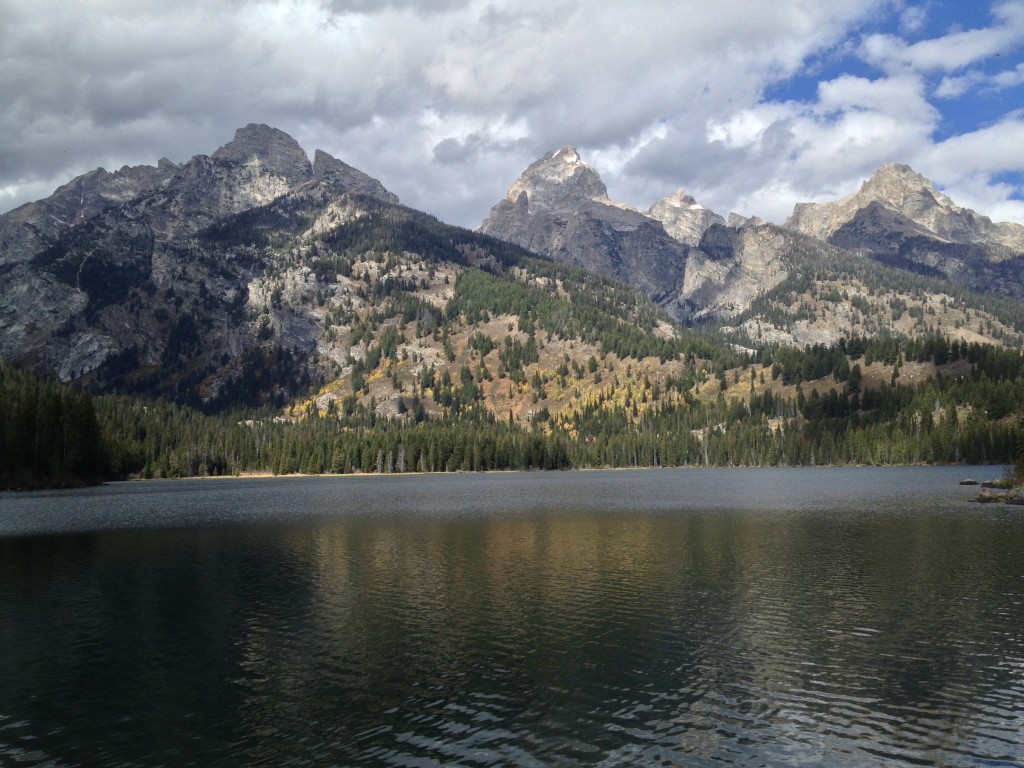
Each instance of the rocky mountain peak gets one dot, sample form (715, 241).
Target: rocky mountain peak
(911, 196)
(739, 221)
(271, 148)
(895, 186)
(559, 207)
(683, 217)
(905, 191)
(558, 177)
(679, 199)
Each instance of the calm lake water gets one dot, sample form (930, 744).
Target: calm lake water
(835, 617)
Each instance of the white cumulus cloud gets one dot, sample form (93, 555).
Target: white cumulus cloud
(446, 102)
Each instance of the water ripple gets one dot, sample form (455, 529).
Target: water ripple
(831, 633)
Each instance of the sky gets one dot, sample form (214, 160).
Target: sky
(751, 106)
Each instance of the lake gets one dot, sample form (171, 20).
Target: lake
(834, 617)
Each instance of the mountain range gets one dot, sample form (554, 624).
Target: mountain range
(699, 265)
(253, 273)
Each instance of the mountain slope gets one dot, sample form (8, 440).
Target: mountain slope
(900, 189)
(741, 271)
(122, 281)
(383, 339)
(680, 254)
(252, 275)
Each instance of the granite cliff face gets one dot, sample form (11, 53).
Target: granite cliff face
(898, 218)
(715, 268)
(165, 267)
(683, 217)
(185, 280)
(557, 180)
(559, 207)
(343, 176)
(913, 198)
(34, 225)
(732, 267)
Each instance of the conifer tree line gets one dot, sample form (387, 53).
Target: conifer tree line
(54, 434)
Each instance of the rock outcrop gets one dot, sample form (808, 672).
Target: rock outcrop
(732, 267)
(713, 269)
(559, 207)
(344, 176)
(914, 198)
(173, 278)
(683, 217)
(679, 253)
(151, 266)
(900, 219)
(35, 225)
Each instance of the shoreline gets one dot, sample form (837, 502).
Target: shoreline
(988, 496)
(267, 475)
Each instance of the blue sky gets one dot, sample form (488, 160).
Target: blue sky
(967, 98)
(966, 111)
(912, 23)
(750, 106)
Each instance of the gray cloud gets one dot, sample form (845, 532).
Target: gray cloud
(370, 7)
(446, 102)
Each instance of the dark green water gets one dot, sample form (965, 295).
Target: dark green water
(834, 617)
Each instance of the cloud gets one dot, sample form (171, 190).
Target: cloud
(953, 51)
(913, 19)
(370, 7)
(772, 155)
(446, 102)
(991, 150)
(955, 87)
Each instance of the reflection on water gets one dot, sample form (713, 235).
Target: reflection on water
(483, 625)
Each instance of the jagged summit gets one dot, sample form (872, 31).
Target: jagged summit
(908, 194)
(896, 186)
(259, 164)
(557, 177)
(680, 199)
(739, 221)
(265, 150)
(73, 260)
(270, 147)
(683, 217)
(559, 207)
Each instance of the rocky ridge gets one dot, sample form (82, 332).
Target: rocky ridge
(897, 220)
(105, 271)
(679, 253)
(684, 218)
(252, 277)
(899, 189)
(559, 207)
